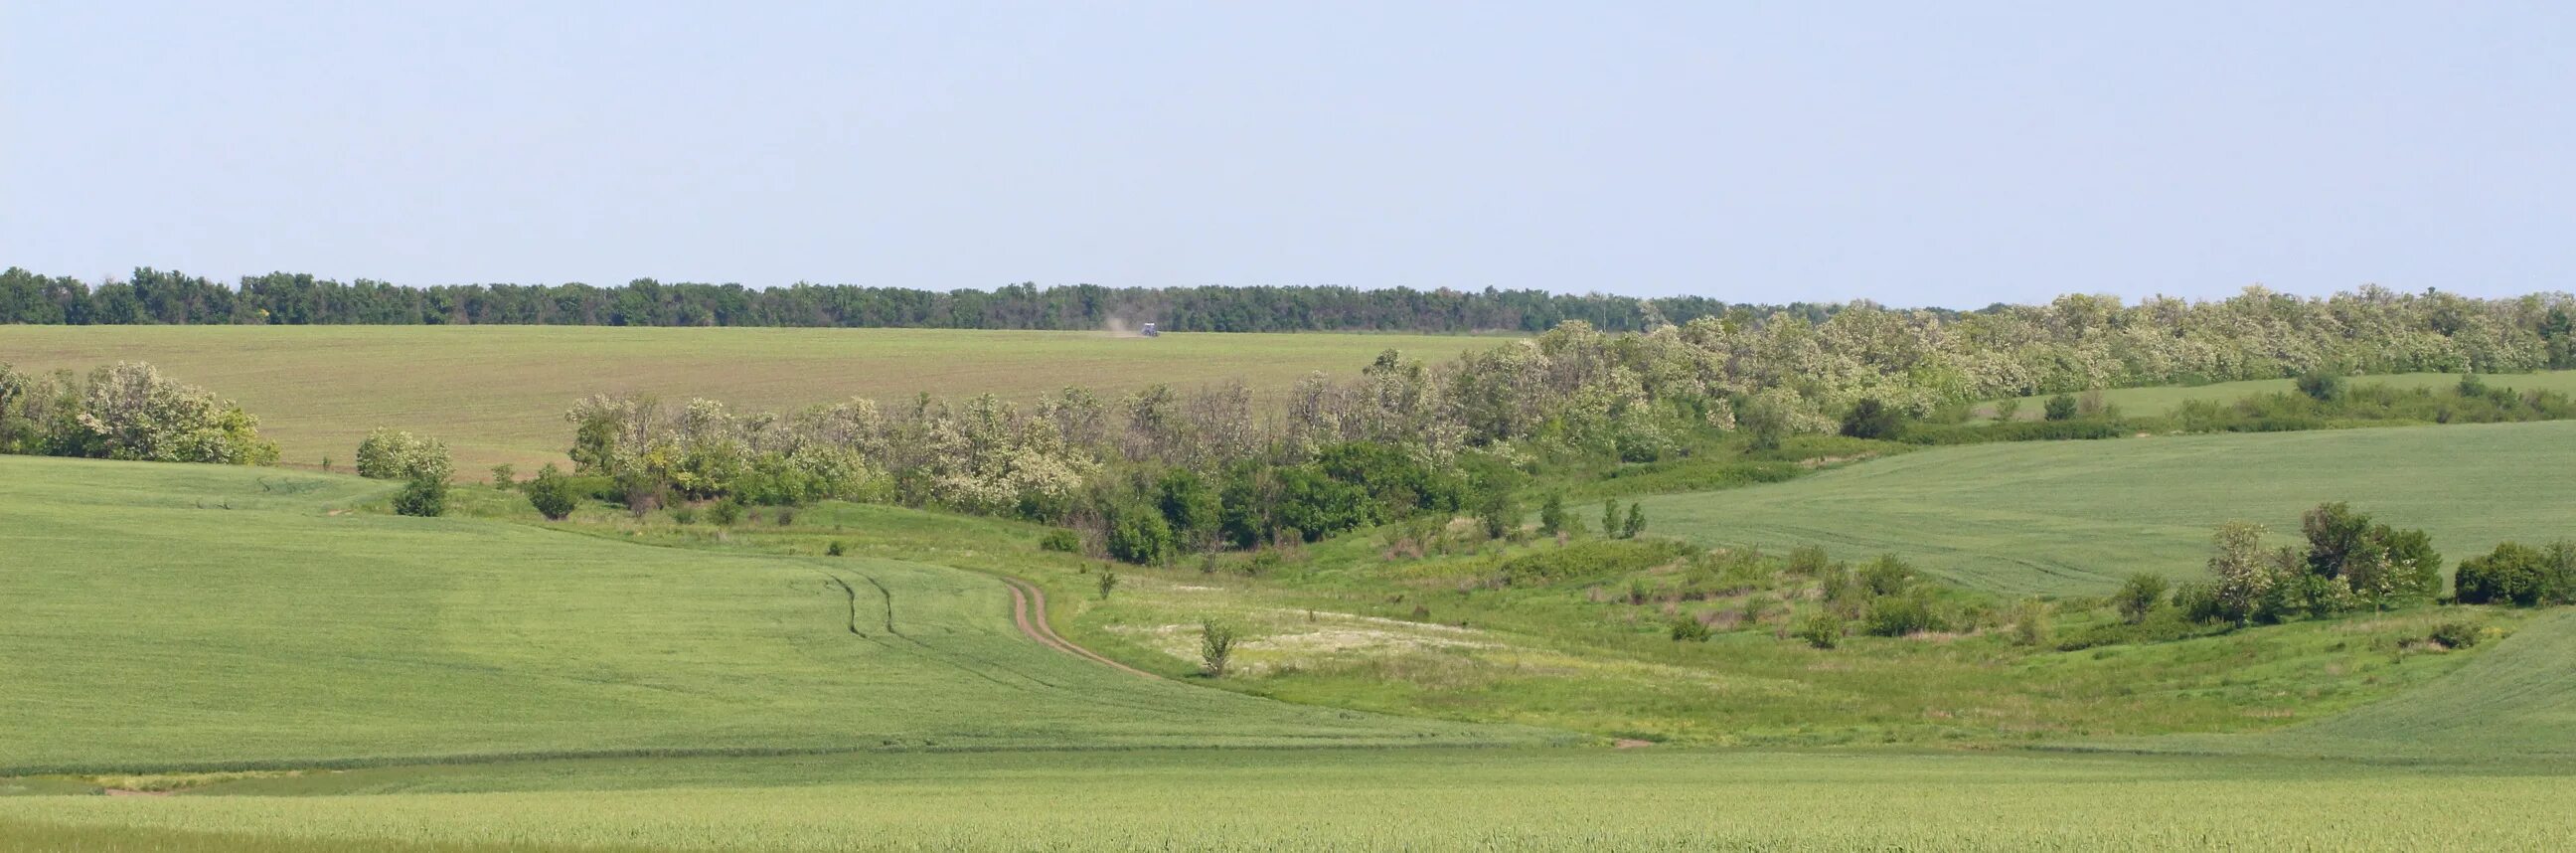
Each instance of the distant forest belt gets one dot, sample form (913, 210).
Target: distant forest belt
(497, 394)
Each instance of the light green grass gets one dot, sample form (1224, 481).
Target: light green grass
(2164, 399)
(2077, 516)
(498, 393)
(1343, 800)
(149, 628)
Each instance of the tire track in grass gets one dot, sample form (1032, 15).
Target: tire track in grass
(1028, 609)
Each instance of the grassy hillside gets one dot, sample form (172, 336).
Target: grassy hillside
(1342, 800)
(2076, 516)
(170, 616)
(497, 393)
(2163, 399)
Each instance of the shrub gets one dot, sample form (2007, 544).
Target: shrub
(1061, 541)
(2060, 408)
(1216, 647)
(504, 476)
(2513, 573)
(1139, 534)
(2457, 635)
(1551, 514)
(835, 549)
(1808, 560)
(1870, 418)
(1887, 575)
(1821, 629)
(2006, 408)
(1610, 517)
(2030, 623)
(553, 494)
(2139, 595)
(2199, 603)
(1898, 616)
(2321, 386)
(1108, 584)
(684, 514)
(421, 496)
(1688, 628)
(786, 516)
(1498, 514)
(724, 513)
(1635, 523)
(395, 455)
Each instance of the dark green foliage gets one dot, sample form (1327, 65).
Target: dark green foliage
(2139, 595)
(421, 496)
(1635, 522)
(2457, 635)
(1688, 629)
(1887, 575)
(1498, 514)
(1139, 534)
(2519, 574)
(835, 549)
(553, 494)
(2060, 430)
(172, 298)
(2061, 407)
(1551, 514)
(684, 515)
(1394, 479)
(1190, 506)
(1064, 541)
(1317, 505)
(1610, 517)
(1872, 419)
(1808, 561)
(1108, 584)
(504, 476)
(2378, 565)
(2199, 602)
(2471, 401)
(2321, 386)
(724, 513)
(1901, 615)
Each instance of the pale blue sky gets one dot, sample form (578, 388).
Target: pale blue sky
(1916, 153)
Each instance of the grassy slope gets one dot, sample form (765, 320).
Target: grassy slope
(2076, 516)
(2163, 399)
(150, 627)
(1339, 800)
(497, 393)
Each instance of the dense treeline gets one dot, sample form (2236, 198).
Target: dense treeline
(160, 297)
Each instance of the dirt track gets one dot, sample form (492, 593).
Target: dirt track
(1028, 608)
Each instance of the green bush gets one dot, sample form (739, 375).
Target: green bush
(2060, 408)
(553, 494)
(835, 549)
(1216, 647)
(1872, 419)
(1898, 616)
(1590, 559)
(1551, 514)
(1063, 541)
(395, 455)
(2321, 386)
(2518, 574)
(724, 513)
(504, 476)
(1108, 584)
(1139, 534)
(1821, 629)
(684, 514)
(2139, 595)
(1635, 523)
(2457, 635)
(1887, 575)
(1688, 628)
(422, 496)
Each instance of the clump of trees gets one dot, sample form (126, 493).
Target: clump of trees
(2351, 563)
(127, 410)
(423, 465)
(2519, 574)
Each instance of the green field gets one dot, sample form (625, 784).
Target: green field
(2163, 399)
(2074, 517)
(182, 616)
(1339, 800)
(497, 393)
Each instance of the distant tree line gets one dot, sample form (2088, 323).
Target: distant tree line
(153, 296)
